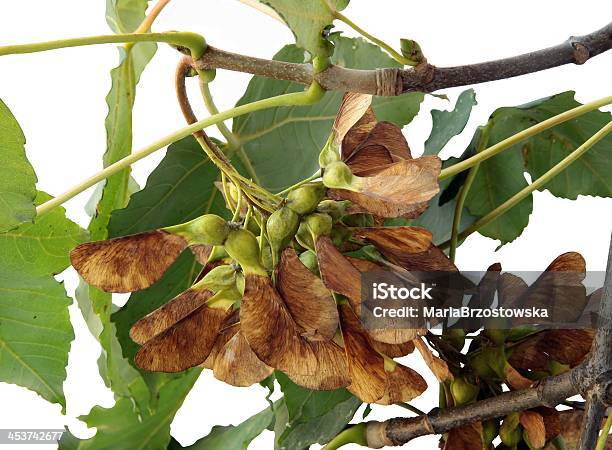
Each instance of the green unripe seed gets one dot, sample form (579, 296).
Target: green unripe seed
(281, 227)
(208, 229)
(309, 259)
(338, 175)
(455, 337)
(510, 431)
(305, 199)
(329, 154)
(217, 253)
(490, 430)
(463, 391)
(319, 224)
(266, 257)
(219, 278)
(304, 237)
(243, 247)
(336, 209)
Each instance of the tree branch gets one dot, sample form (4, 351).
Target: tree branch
(593, 379)
(424, 77)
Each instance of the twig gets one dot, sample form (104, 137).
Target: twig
(424, 77)
(591, 378)
(599, 395)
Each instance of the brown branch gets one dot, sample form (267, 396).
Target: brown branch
(593, 379)
(425, 77)
(599, 396)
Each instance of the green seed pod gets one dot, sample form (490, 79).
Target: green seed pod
(309, 259)
(304, 237)
(243, 247)
(480, 365)
(305, 199)
(336, 209)
(219, 278)
(281, 227)
(217, 253)
(490, 430)
(463, 391)
(266, 257)
(225, 298)
(240, 283)
(497, 336)
(329, 154)
(510, 432)
(338, 175)
(455, 337)
(319, 224)
(208, 229)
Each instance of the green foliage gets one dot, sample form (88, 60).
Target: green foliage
(35, 328)
(17, 177)
(233, 437)
(119, 428)
(123, 16)
(305, 416)
(299, 132)
(308, 21)
(503, 175)
(447, 124)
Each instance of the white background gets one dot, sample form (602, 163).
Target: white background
(58, 98)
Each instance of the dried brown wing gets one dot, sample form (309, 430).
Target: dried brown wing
(167, 315)
(337, 272)
(403, 385)
(310, 303)
(184, 345)
(437, 365)
(276, 339)
(466, 437)
(515, 380)
(358, 133)
(365, 365)
(201, 252)
(408, 247)
(353, 107)
(128, 263)
(510, 290)
(533, 423)
(402, 189)
(236, 364)
(564, 346)
(393, 350)
(561, 285)
(384, 146)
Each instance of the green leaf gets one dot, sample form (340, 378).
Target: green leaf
(120, 427)
(309, 21)
(503, 175)
(123, 17)
(447, 124)
(233, 437)
(297, 134)
(35, 328)
(17, 177)
(306, 416)
(179, 189)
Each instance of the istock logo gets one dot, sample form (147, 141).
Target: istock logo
(385, 291)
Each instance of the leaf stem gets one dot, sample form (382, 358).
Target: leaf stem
(312, 95)
(299, 183)
(233, 142)
(411, 408)
(527, 133)
(540, 182)
(193, 41)
(465, 189)
(394, 54)
(146, 24)
(605, 431)
(355, 434)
